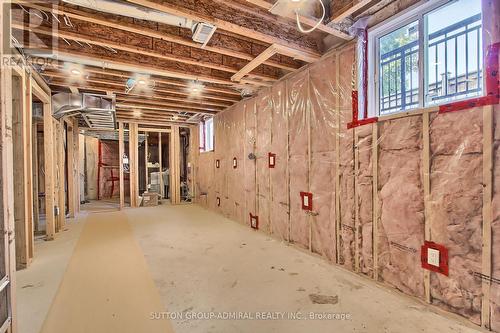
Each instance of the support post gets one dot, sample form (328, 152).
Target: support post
(426, 171)
(121, 153)
(50, 171)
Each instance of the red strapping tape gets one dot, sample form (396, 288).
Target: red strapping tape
(355, 121)
(492, 85)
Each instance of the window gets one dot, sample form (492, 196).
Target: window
(207, 135)
(447, 36)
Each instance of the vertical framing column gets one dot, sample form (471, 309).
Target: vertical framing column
(50, 170)
(175, 165)
(134, 163)
(337, 159)
(31, 196)
(426, 171)
(487, 212)
(71, 170)
(121, 153)
(20, 175)
(61, 161)
(76, 165)
(375, 199)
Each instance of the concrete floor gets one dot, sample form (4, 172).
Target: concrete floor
(203, 264)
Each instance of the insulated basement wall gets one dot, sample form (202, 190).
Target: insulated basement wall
(379, 190)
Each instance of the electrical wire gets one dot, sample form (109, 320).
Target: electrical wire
(299, 25)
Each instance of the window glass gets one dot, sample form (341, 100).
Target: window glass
(398, 69)
(207, 135)
(453, 52)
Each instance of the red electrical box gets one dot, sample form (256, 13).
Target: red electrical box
(217, 164)
(434, 257)
(218, 202)
(254, 221)
(307, 200)
(235, 162)
(272, 160)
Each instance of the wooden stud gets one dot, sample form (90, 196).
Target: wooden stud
(146, 160)
(19, 175)
(426, 171)
(487, 213)
(337, 158)
(357, 225)
(375, 199)
(134, 165)
(28, 161)
(61, 161)
(259, 60)
(121, 153)
(50, 177)
(71, 170)
(76, 165)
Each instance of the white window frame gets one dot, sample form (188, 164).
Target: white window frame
(411, 14)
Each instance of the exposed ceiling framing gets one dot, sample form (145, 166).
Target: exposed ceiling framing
(250, 49)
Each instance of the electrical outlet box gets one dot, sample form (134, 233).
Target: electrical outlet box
(218, 202)
(307, 200)
(235, 163)
(254, 221)
(433, 257)
(272, 160)
(217, 164)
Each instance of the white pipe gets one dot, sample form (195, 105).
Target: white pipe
(125, 9)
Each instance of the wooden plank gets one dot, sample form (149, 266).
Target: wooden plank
(488, 158)
(20, 204)
(426, 170)
(375, 199)
(351, 9)
(71, 170)
(160, 161)
(49, 167)
(76, 159)
(256, 62)
(31, 195)
(357, 225)
(175, 165)
(6, 185)
(121, 153)
(337, 159)
(134, 164)
(146, 153)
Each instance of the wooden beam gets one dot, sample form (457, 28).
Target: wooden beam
(76, 159)
(259, 60)
(61, 183)
(303, 19)
(98, 18)
(223, 19)
(71, 170)
(175, 165)
(235, 95)
(350, 9)
(31, 194)
(149, 107)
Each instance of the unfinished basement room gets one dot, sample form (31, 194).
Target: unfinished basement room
(249, 166)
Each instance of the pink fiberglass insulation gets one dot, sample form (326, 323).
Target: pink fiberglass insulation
(279, 177)
(401, 204)
(364, 193)
(456, 209)
(323, 96)
(263, 143)
(346, 159)
(298, 107)
(236, 187)
(250, 164)
(495, 227)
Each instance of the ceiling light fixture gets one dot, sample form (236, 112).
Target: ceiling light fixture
(75, 71)
(142, 82)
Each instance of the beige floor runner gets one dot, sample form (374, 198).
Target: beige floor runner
(107, 286)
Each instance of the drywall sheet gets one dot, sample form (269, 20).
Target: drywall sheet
(324, 125)
(401, 204)
(495, 226)
(364, 195)
(263, 144)
(299, 108)
(346, 158)
(279, 176)
(250, 185)
(456, 209)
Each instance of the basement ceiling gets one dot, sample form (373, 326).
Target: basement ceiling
(153, 67)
